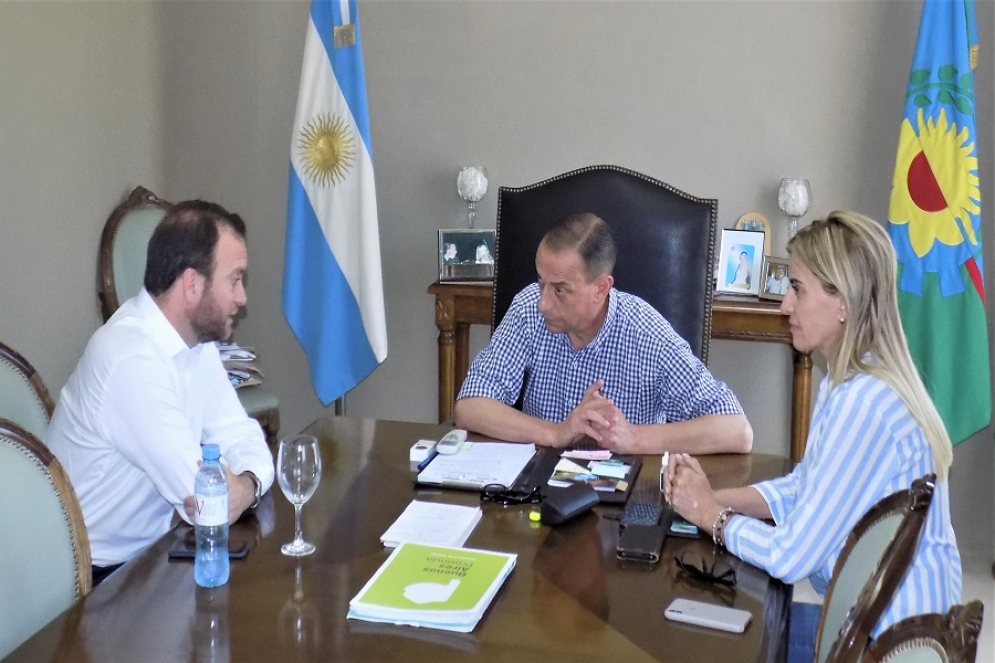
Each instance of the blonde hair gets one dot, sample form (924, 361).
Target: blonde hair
(852, 256)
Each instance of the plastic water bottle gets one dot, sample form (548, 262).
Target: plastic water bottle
(210, 567)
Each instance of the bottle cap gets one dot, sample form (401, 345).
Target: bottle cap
(211, 452)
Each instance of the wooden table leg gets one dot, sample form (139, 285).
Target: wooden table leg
(462, 361)
(447, 358)
(801, 399)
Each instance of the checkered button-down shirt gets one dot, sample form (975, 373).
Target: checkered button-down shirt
(648, 370)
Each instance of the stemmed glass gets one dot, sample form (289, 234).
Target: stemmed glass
(794, 196)
(471, 184)
(298, 466)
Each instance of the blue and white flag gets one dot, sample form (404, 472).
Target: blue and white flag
(332, 281)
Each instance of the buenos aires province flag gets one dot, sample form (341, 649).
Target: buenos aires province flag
(934, 220)
(332, 280)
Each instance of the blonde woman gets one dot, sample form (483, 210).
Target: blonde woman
(874, 431)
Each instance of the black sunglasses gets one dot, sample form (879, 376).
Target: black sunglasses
(727, 577)
(500, 494)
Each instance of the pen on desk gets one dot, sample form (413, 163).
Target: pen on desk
(428, 459)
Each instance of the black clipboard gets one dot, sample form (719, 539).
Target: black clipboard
(548, 458)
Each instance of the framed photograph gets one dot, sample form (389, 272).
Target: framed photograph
(466, 255)
(774, 278)
(758, 222)
(739, 261)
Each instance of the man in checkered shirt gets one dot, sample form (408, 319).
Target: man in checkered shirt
(599, 363)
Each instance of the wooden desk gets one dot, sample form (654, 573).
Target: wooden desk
(459, 305)
(567, 599)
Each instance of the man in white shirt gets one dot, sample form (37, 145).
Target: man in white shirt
(150, 389)
(778, 282)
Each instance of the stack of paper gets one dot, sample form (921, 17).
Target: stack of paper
(235, 352)
(238, 362)
(434, 587)
(433, 523)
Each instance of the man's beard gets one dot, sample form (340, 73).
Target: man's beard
(208, 321)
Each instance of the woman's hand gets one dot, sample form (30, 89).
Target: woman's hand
(690, 493)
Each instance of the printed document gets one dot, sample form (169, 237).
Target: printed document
(432, 523)
(478, 464)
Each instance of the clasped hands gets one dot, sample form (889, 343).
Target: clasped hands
(597, 417)
(687, 489)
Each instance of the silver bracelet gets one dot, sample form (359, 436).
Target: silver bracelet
(719, 524)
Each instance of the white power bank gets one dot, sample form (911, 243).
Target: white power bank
(708, 615)
(420, 450)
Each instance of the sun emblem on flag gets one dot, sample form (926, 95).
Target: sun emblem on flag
(327, 149)
(935, 190)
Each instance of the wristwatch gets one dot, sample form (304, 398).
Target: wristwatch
(257, 490)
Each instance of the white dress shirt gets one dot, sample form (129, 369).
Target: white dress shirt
(130, 423)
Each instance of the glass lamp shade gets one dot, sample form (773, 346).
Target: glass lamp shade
(471, 184)
(794, 197)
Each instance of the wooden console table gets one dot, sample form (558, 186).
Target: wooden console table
(459, 305)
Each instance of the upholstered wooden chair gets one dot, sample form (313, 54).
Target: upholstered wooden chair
(44, 551)
(665, 237)
(23, 396)
(121, 268)
(932, 638)
(875, 558)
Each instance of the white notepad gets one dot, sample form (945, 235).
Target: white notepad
(478, 464)
(432, 523)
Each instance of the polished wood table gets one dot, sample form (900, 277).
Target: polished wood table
(567, 599)
(461, 304)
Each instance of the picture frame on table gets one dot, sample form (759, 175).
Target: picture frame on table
(466, 255)
(739, 262)
(774, 278)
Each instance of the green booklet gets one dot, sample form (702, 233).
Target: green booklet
(433, 586)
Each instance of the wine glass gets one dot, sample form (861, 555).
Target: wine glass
(298, 466)
(794, 197)
(471, 184)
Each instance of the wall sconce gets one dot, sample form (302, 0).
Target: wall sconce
(471, 184)
(794, 197)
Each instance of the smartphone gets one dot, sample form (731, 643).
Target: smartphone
(184, 548)
(640, 543)
(708, 615)
(677, 526)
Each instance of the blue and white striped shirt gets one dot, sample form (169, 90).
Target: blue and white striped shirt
(648, 369)
(863, 445)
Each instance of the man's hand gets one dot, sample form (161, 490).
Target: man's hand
(617, 434)
(581, 420)
(241, 495)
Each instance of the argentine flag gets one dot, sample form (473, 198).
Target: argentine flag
(332, 281)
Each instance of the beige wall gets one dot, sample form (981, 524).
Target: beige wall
(721, 99)
(80, 121)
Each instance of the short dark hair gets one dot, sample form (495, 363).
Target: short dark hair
(589, 236)
(187, 237)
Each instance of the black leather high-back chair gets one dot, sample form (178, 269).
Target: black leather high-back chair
(665, 237)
